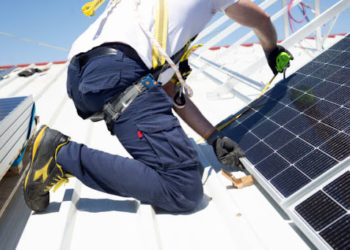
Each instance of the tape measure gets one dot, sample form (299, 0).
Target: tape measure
(282, 61)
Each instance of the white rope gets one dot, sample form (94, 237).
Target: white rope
(34, 42)
(184, 85)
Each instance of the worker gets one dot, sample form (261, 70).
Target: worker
(111, 75)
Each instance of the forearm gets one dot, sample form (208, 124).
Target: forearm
(191, 114)
(250, 15)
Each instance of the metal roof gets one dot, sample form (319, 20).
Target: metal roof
(81, 218)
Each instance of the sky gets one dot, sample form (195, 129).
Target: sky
(59, 22)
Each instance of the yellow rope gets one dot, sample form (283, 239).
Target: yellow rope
(221, 127)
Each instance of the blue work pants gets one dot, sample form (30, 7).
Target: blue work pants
(164, 171)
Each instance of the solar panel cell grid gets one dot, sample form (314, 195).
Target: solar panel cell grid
(342, 59)
(340, 119)
(340, 96)
(321, 109)
(248, 141)
(294, 150)
(265, 128)
(324, 88)
(284, 115)
(327, 56)
(318, 134)
(338, 234)
(272, 165)
(337, 146)
(9, 104)
(325, 71)
(289, 181)
(300, 124)
(270, 108)
(309, 68)
(300, 128)
(342, 76)
(279, 138)
(315, 163)
(258, 152)
(339, 190)
(319, 210)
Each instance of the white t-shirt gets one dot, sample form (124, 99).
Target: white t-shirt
(119, 23)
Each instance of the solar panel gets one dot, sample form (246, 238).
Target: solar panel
(326, 212)
(15, 117)
(298, 135)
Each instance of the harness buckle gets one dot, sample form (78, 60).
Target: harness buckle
(148, 81)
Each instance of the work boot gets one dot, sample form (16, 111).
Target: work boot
(44, 171)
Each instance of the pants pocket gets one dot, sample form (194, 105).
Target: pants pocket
(168, 142)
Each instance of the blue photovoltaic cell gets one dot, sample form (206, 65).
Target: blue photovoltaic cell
(294, 150)
(9, 104)
(342, 76)
(327, 212)
(338, 146)
(343, 44)
(340, 119)
(248, 141)
(340, 96)
(318, 134)
(284, 115)
(337, 235)
(321, 109)
(270, 108)
(307, 84)
(289, 181)
(325, 71)
(265, 128)
(319, 210)
(339, 189)
(315, 164)
(324, 88)
(311, 67)
(272, 165)
(300, 124)
(253, 120)
(300, 129)
(342, 59)
(279, 138)
(328, 56)
(258, 152)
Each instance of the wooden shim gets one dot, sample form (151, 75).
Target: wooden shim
(238, 182)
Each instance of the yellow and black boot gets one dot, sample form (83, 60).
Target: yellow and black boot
(44, 172)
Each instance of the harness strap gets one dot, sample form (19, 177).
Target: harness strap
(160, 32)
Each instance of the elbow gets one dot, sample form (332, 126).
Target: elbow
(264, 21)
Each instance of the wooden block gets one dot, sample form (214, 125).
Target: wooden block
(238, 182)
(15, 170)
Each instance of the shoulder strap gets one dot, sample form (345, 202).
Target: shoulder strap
(160, 32)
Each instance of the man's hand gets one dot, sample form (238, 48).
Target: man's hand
(226, 150)
(277, 60)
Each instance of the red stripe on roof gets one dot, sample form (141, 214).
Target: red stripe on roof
(212, 48)
(27, 64)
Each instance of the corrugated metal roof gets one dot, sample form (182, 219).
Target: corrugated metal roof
(81, 218)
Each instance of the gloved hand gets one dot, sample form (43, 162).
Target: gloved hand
(275, 62)
(226, 150)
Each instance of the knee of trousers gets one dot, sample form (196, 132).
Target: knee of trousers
(184, 196)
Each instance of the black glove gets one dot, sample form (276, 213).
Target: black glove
(226, 150)
(271, 56)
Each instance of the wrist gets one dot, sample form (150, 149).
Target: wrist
(213, 136)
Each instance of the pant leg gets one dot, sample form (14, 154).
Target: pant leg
(165, 169)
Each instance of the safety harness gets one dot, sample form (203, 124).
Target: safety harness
(160, 62)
